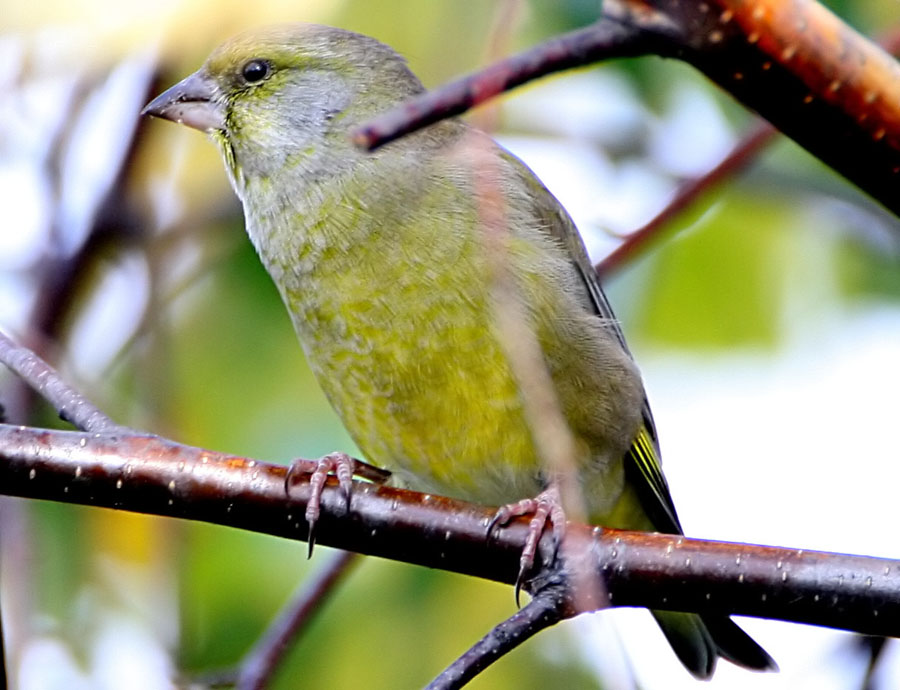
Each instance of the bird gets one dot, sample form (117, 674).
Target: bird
(399, 269)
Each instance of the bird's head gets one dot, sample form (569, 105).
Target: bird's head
(287, 96)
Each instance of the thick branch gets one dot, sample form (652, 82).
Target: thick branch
(152, 475)
(824, 85)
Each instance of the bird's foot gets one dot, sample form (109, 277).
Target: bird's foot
(343, 467)
(544, 508)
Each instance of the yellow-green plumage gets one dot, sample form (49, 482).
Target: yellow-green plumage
(385, 264)
(403, 345)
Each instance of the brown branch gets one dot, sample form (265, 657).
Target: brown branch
(71, 405)
(830, 89)
(812, 76)
(596, 42)
(149, 474)
(260, 663)
(540, 613)
(737, 159)
(113, 220)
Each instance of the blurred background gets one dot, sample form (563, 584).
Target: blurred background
(766, 320)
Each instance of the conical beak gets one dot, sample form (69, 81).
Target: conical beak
(194, 102)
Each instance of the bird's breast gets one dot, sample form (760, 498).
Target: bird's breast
(408, 358)
(393, 301)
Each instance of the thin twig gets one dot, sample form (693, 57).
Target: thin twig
(71, 405)
(738, 158)
(5, 679)
(872, 648)
(261, 661)
(596, 42)
(540, 613)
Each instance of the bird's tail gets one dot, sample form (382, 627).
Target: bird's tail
(699, 639)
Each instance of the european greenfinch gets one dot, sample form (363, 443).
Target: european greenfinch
(389, 264)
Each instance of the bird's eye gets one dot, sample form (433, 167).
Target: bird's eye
(255, 70)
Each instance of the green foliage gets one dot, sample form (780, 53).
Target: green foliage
(718, 283)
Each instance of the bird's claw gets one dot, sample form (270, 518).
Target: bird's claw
(343, 467)
(544, 508)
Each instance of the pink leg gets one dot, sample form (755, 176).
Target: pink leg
(343, 467)
(544, 508)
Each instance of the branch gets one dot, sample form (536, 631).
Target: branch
(540, 613)
(71, 405)
(824, 85)
(795, 63)
(262, 660)
(737, 159)
(596, 42)
(152, 475)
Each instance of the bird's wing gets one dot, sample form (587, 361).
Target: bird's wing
(642, 462)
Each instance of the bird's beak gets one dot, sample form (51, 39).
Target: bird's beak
(193, 102)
